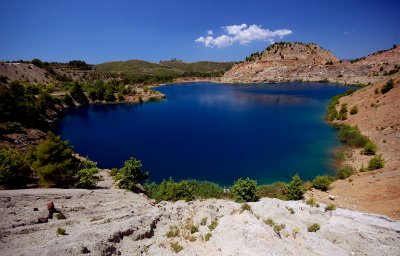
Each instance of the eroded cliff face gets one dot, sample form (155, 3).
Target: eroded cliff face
(289, 62)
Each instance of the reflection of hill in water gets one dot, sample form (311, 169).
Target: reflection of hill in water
(271, 99)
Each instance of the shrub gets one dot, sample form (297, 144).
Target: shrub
(14, 127)
(345, 172)
(213, 224)
(370, 148)
(61, 231)
(342, 112)
(205, 189)
(113, 172)
(279, 227)
(313, 227)
(275, 190)
(354, 110)
(351, 135)
(203, 221)
(172, 232)
(377, 162)
(88, 178)
(244, 190)
(60, 216)
(388, 86)
(290, 210)
(269, 222)
(14, 171)
(194, 229)
(330, 207)
(207, 236)
(176, 247)
(131, 174)
(321, 182)
(245, 207)
(169, 190)
(53, 162)
(295, 189)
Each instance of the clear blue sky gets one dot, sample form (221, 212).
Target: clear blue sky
(98, 31)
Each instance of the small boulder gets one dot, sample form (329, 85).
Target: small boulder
(331, 197)
(43, 220)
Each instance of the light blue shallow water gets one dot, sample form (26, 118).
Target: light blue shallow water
(213, 132)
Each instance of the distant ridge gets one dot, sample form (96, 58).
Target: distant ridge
(167, 67)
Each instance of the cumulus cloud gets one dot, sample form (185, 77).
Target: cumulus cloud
(242, 34)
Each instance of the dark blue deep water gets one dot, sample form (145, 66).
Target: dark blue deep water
(213, 132)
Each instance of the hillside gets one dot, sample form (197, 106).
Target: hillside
(115, 222)
(170, 67)
(287, 62)
(378, 117)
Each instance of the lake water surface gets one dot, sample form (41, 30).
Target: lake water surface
(214, 132)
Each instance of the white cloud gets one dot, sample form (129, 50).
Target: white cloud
(242, 34)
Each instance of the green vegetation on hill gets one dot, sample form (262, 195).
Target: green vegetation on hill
(143, 70)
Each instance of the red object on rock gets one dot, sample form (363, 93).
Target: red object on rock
(50, 206)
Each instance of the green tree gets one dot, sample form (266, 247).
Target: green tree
(14, 172)
(88, 178)
(131, 174)
(295, 188)
(54, 163)
(244, 190)
(78, 94)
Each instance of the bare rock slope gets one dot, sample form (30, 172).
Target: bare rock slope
(288, 62)
(116, 222)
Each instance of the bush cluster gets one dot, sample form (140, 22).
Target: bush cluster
(244, 190)
(345, 172)
(321, 182)
(130, 175)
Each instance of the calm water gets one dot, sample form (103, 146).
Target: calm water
(213, 132)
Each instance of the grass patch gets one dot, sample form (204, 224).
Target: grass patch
(213, 224)
(245, 207)
(330, 207)
(207, 236)
(312, 202)
(60, 216)
(172, 232)
(176, 247)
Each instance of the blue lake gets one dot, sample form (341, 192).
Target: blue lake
(215, 132)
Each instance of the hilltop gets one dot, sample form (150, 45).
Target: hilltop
(288, 62)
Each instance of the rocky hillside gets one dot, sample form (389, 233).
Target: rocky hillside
(116, 222)
(378, 117)
(287, 62)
